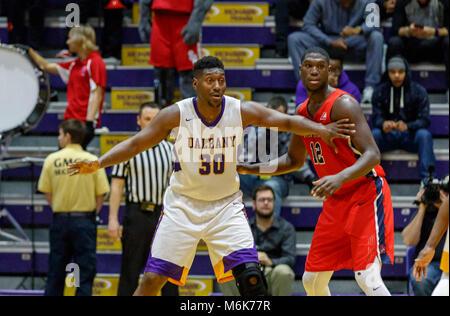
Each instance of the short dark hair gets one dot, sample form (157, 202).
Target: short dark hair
(75, 128)
(316, 50)
(260, 188)
(276, 102)
(152, 105)
(207, 62)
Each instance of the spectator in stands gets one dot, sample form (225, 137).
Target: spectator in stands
(145, 178)
(275, 241)
(386, 8)
(416, 235)
(74, 202)
(16, 10)
(173, 49)
(85, 78)
(421, 31)
(401, 115)
(340, 27)
(284, 9)
(337, 78)
(259, 146)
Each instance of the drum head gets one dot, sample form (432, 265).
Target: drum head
(23, 90)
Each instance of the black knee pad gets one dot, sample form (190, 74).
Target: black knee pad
(250, 280)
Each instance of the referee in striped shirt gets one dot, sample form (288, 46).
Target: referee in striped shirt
(145, 179)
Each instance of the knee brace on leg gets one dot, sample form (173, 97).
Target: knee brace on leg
(370, 280)
(250, 280)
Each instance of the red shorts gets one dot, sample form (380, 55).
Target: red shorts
(353, 229)
(168, 49)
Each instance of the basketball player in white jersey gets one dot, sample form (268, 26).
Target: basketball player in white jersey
(203, 200)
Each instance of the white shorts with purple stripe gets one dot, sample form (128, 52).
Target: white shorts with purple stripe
(222, 224)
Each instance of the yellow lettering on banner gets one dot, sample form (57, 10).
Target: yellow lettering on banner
(222, 13)
(108, 286)
(234, 56)
(104, 242)
(196, 287)
(109, 141)
(103, 286)
(135, 55)
(128, 99)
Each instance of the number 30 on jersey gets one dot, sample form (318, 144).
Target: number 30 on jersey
(218, 164)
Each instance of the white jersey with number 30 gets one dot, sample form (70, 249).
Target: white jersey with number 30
(206, 152)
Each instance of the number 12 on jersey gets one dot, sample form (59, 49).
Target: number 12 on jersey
(218, 164)
(317, 153)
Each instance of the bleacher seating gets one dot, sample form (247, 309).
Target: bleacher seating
(266, 76)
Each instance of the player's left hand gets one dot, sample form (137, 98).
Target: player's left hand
(421, 263)
(326, 186)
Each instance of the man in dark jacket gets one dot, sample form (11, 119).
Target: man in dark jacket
(401, 114)
(340, 27)
(420, 31)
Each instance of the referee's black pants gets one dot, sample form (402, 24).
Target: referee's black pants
(138, 229)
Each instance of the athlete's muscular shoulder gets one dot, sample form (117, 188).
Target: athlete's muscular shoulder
(346, 107)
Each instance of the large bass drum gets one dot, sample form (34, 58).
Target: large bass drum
(24, 92)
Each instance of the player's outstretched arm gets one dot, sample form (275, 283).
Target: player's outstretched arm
(256, 114)
(291, 161)
(153, 134)
(362, 141)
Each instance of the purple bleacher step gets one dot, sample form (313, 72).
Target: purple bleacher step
(21, 293)
(126, 122)
(255, 78)
(300, 217)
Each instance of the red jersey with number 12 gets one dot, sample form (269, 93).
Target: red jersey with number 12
(326, 161)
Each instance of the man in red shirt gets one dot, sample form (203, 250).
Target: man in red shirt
(175, 43)
(355, 229)
(85, 78)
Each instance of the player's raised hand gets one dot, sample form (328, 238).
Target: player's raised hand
(339, 129)
(83, 167)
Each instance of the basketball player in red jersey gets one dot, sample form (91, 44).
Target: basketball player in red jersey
(355, 229)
